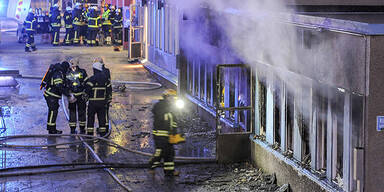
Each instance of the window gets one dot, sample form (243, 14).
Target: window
(321, 109)
(209, 85)
(190, 77)
(202, 82)
(290, 109)
(166, 28)
(263, 105)
(337, 137)
(276, 111)
(157, 25)
(196, 67)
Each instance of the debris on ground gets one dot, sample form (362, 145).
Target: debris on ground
(245, 177)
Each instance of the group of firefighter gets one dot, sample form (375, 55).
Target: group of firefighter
(82, 25)
(68, 79)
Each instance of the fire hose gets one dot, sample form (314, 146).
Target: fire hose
(101, 164)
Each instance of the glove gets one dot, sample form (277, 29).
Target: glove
(85, 97)
(72, 98)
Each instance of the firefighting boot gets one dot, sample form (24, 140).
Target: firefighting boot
(34, 48)
(55, 131)
(27, 49)
(90, 131)
(82, 130)
(73, 130)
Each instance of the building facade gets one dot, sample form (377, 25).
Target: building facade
(314, 120)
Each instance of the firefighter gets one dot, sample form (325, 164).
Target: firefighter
(53, 83)
(164, 125)
(84, 28)
(117, 30)
(107, 73)
(30, 25)
(78, 22)
(93, 26)
(68, 26)
(55, 20)
(98, 90)
(75, 79)
(107, 23)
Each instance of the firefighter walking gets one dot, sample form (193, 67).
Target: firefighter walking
(75, 79)
(30, 25)
(55, 20)
(68, 26)
(164, 130)
(98, 90)
(53, 82)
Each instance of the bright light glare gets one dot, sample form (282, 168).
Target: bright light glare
(179, 103)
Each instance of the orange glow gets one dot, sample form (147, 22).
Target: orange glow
(133, 66)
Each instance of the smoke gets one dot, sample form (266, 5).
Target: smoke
(254, 33)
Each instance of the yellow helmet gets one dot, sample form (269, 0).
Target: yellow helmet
(169, 92)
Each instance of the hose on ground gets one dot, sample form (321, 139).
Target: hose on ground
(151, 85)
(93, 153)
(5, 138)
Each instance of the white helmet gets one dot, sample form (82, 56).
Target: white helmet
(56, 5)
(77, 4)
(98, 66)
(68, 8)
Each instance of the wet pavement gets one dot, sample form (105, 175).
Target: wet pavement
(25, 113)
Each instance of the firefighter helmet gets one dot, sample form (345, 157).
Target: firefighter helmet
(169, 92)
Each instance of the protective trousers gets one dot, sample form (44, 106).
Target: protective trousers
(56, 35)
(30, 41)
(53, 107)
(107, 116)
(117, 36)
(77, 111)
(107, 29)
(76, 35)
(83, 33)
(165, 151)
(68, 36)
(92, 33)
(98, 108)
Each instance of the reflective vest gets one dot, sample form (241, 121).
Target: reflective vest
(106, 18)
(75, 81)
(30, 25)
(68, 20)
(93, 22)
(118, 22)
(56, 19)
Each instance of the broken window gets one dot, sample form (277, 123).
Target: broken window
(196, 67)
(321, 107)
(306, 110)
(276, 111)
(263, 106)
(357, 140)
(338, 134)
(209, 85)
(202, 81)
(290, 120)
(189, 76)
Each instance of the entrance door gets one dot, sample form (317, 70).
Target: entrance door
(137, 39)
(234, 112)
